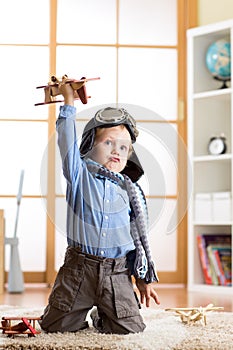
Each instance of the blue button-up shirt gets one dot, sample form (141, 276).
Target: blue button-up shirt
(98, 210)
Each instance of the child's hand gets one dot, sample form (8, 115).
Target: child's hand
(146, 292)
(68, 92)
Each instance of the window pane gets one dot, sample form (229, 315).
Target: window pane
(153, 82)
(86, 21)
(148, 22)
(24, 69)
(24, 22)
(23, 145)
(90, 62)
(31, 232)
(156, 147)
(163, 244)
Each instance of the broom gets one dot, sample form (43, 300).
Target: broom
(15, 275)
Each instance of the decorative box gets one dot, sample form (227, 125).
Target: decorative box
(222, 206)
(203, 207)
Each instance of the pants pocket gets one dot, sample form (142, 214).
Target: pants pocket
(125, 302)
(65, 289)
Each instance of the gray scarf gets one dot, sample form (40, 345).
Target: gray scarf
(138, 222)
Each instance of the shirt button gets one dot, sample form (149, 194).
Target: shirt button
(102, 252)
(107, 200)
(106, 217)
(104, 234)
(108, 185)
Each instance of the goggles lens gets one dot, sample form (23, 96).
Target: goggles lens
(107, 116)
(115, 116)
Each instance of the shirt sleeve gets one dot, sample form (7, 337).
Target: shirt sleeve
(67, 142)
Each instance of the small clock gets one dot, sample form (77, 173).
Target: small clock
(217, 145)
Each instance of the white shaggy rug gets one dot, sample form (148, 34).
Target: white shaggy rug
(164, 331)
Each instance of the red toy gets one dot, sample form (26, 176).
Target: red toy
(27, 326)
(52, 89)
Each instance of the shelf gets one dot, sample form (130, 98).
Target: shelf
(213, 93)
(210, 113)
(211, 30)
(213, 223)
(208, 288)
(210, 158)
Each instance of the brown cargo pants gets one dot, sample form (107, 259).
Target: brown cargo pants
(85, 281)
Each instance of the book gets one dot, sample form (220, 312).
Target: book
(204, 260)
(211, 269)
(221, 274)
(214, 271)
(224, 265)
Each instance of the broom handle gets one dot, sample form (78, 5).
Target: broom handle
(19, 196)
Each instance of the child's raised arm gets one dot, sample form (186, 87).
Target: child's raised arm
(67, 139)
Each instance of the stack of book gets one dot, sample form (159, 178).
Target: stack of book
(215, 256)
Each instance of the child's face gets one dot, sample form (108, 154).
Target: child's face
(111, 147)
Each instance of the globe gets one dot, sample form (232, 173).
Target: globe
(218, 60)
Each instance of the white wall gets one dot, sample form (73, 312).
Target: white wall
(210, 11)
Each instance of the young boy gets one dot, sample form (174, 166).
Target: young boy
(106, 227)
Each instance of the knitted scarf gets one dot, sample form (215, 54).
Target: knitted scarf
(143, 265)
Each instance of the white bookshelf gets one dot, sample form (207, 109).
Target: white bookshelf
(210, 112)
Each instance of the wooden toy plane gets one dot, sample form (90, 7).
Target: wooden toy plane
(190, 315)
(26, 326)
(51, 90)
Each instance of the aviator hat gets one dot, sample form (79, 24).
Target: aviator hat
(107, 118)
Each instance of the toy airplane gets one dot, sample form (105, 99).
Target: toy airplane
(190, 315)
(52, 89)
(26, 326)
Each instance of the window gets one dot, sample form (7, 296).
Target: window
(136, 50)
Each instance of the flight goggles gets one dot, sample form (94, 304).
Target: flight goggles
(109, 117)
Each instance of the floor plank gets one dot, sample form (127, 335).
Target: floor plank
(36, 295)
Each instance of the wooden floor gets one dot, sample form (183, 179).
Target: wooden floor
(170, 296)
